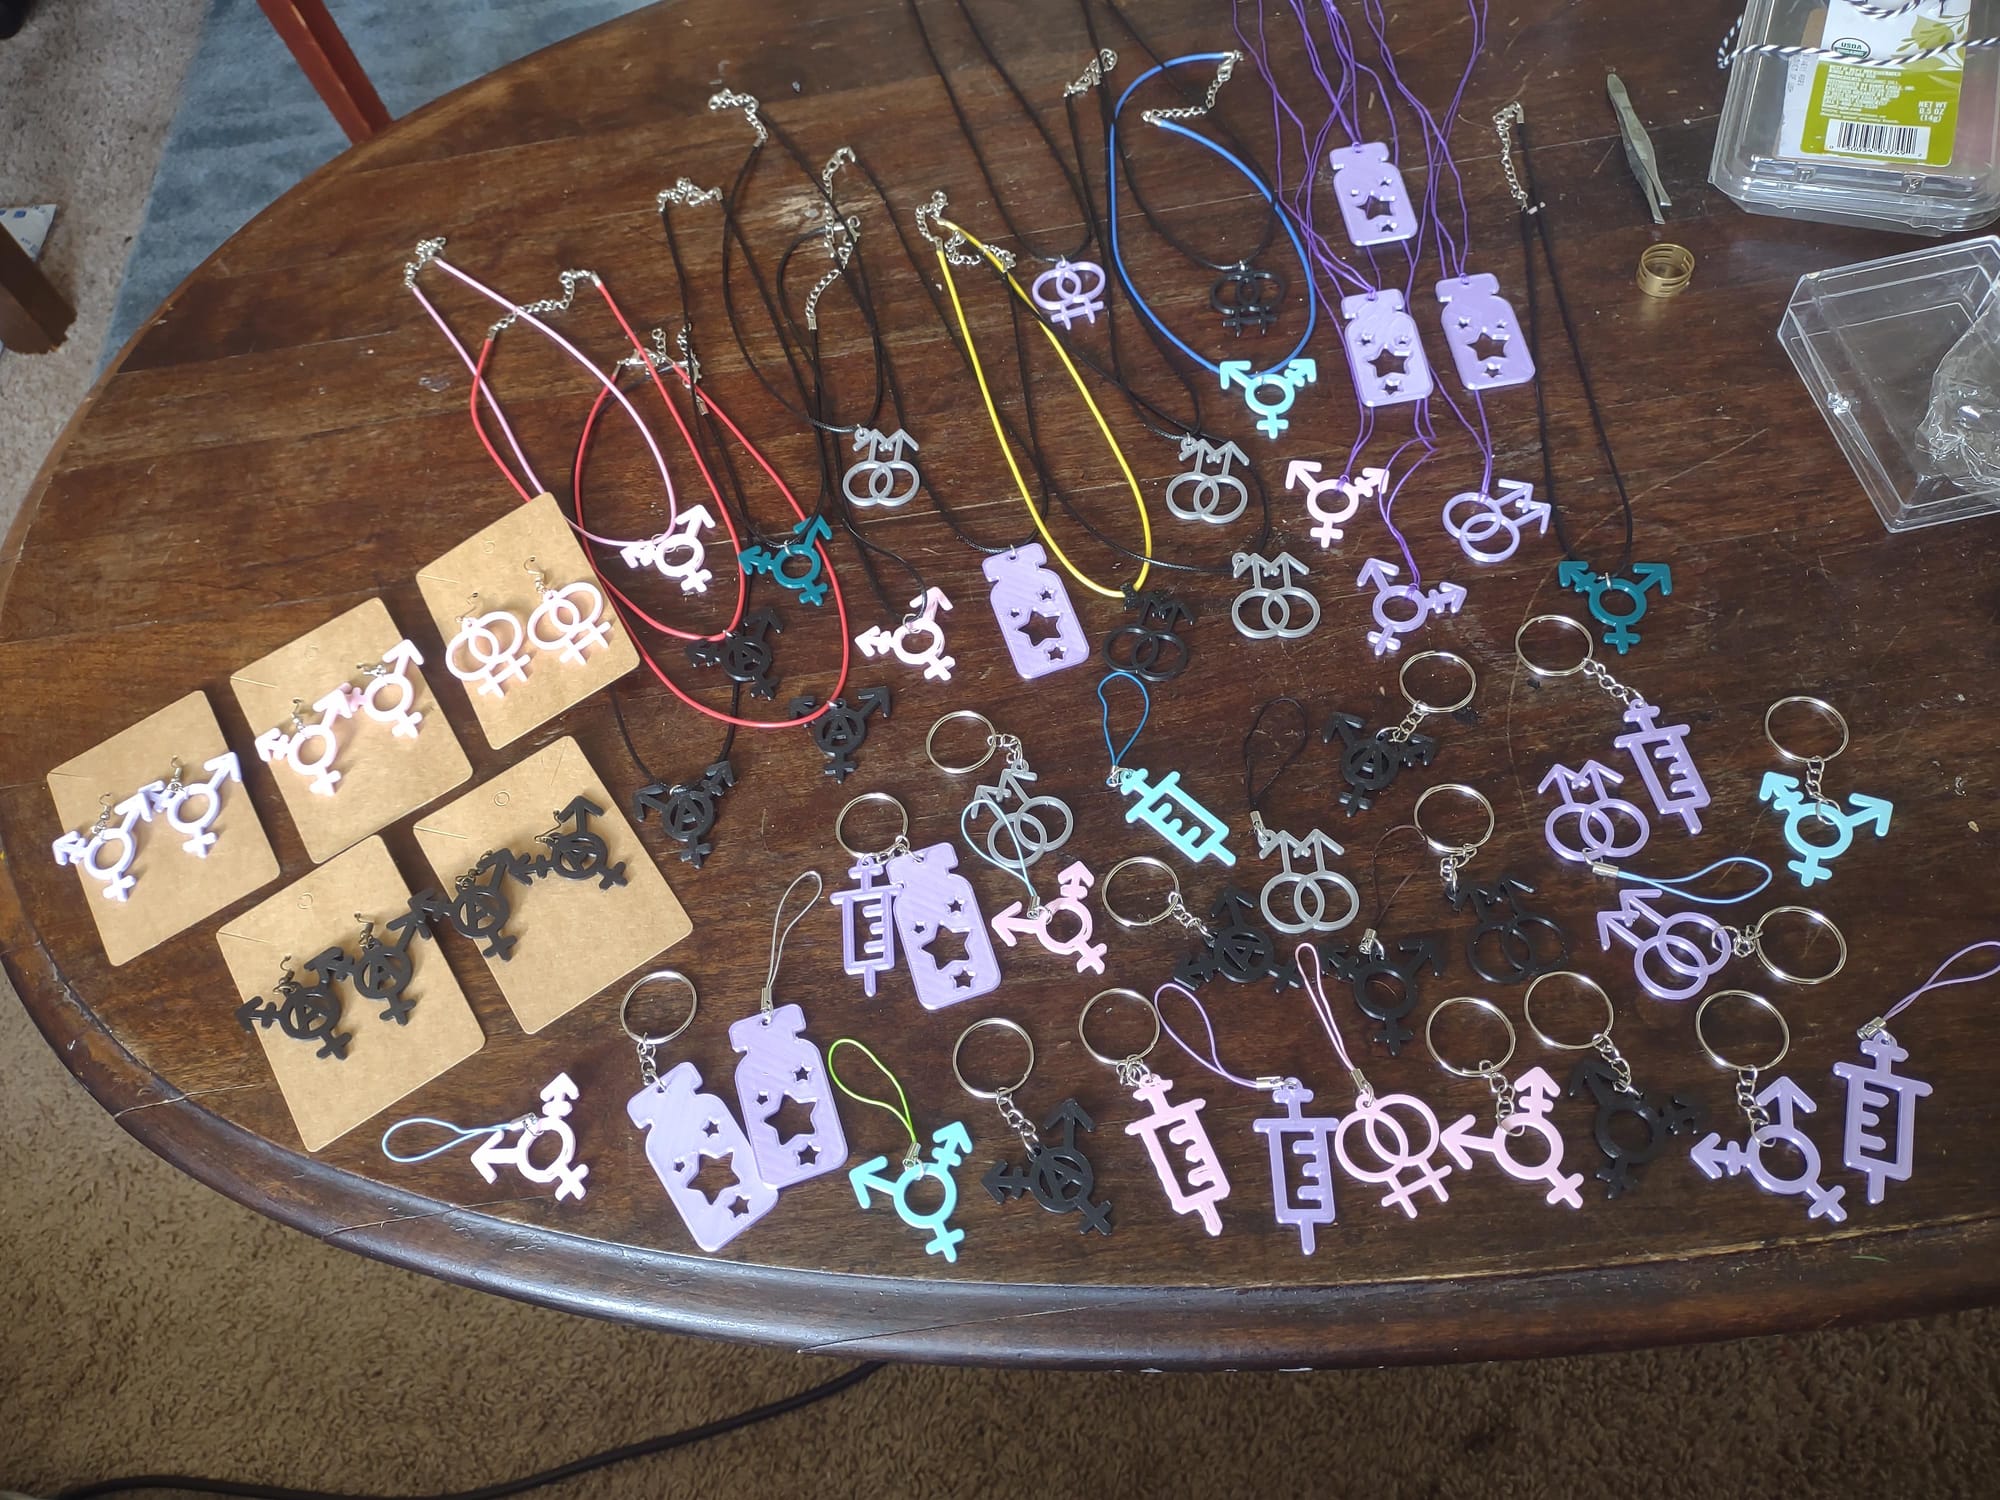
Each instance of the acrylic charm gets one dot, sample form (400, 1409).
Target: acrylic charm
(1059, 1176)
(867, 923)
(918, 641)
(1535, 1094)
(1248, 299)
(1715, 1159)
(1673, 955)
(570, 622)
(949, 1146)
(1488, 528)
(1400, 1158)
(1392, 598)
(1031, 824)
(478, 908)
(687, 809)
(799, 565)
(1037, 621)
(379, 971)
(1370, 763)
(1235, 948)
(1784, 794)
(1590, 824)
(1269, 394)
(174, 800)
(945, 946)
(841, 730)
(1486, 343)
(1011, 925)
(1175, 1131)
(1384, 353)
(392, 674)
(1385, 988)
(1617, 603)
(105, 851)
(781, 1069)
(1267, 610)
(1374, 204)
(574, 853)
(885, 478)
(311, 749)
(1304, 1141)
(1663, 753)
(1656, 1116)
(1209, 490)
(745, 653)
(1502, 947)
(559, 1166)
(1171, 811)
(1331, 515)
(677, 554)
(1880, 1151)
(1319, 897)
(304, 1012)
(1151, 648)
(1068, 290)
(486, 653)
(685, 1129)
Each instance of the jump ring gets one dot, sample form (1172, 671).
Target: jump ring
(1104, 891)
(1567, 623)
(1528, 1010)
(1006, 1025)
(840, 820)
(1818, 919)
(658, 976)
(1784, 1045)
(1462, 790)
(1403, 678)
(1084, 1015)
(960, 713)
(1489, 1008)
(1819, 706)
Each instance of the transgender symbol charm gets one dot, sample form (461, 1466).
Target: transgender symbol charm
(1535, 1094)
(311, 749)
(1715, 1159)
(678, 553)
(918, 641)
(950, 1146)
(799, 564)
(1037, 621)
(560, 1168)
(1862, 811)
(1060, 1176)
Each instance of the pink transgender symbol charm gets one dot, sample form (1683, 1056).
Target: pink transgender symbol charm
(559, 1166)
(781, 1066)
(1037, 621)
(1790, 1100)
(936, 912)
(1308, 1139)
(1374, 203)
(1394, 1149)
(1486, 342)
(1384, 353)
(1070, 289)
(1180, 1126)
(1535, 1094)
(1076, 881)
(684, 1128)
(1330, 516)
(918, 641)
(1872, 1088)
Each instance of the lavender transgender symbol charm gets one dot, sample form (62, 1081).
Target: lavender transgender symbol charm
(1308, 1139)
(1037, 621)
(1070, 289)
(936, 913)
(1715, 1159)
(780, 1069)
(1535, 1094)
(1180, 1125)
(1395, 1150)
(1392, 597)
(686, 1128)
(1374, 203)
(1596, 834)
(1872, 1088)
(1383, 351)
(867, 923)
(1486, 342)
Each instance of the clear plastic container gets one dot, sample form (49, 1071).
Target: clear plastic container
(1871, 340)
(1915, 149)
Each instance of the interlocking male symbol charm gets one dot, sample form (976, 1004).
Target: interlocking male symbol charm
(1445, 598)
(1269, 394)
(1503, 927)
(1801, 812)
(561, 1166)
(798, 565)
(745, 653)
(1676, 959)
(918, 641)
(1285, 612)
(1715, 1159)
(1321, 898)
(1070, 289)
(1060, 1176)
(1329, 519)
(1033, 826)
(678, 553)
(1596, 834)
(885, 478)
(1602, 589)
(1488, 528)
(1010, 924)
(1156, 651)
(1248, 298)
(1209, 490)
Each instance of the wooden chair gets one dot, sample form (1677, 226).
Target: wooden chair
(328, 63)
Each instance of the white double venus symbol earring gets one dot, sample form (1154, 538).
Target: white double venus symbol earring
(487, 651)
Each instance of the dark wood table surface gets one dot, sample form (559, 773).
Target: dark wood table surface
(288, 437)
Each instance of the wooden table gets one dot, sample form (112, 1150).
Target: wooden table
(288, 437)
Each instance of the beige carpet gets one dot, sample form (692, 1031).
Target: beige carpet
(147, 1324)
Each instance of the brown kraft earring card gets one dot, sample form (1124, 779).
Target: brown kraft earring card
(517, 685)
(369, 756)
(570, 938)
(172, 860)
(381, 1059)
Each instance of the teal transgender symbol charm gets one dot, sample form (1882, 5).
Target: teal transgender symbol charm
(950, 1145)
(1617, 603)
(1808, 807)
(799, 565)
(1164, 806)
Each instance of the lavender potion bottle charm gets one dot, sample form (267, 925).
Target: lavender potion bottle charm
(1308, 1140)
(1486, 342)
(945, 945)
(1383, 351)
(1037, 621)
(685, 1128)
(1866, 1144)
(780, 1067)
(867, 930)
(1374, 203)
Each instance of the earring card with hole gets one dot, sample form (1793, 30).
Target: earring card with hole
(384, 1061)
(572, 938)
(384, 771)
(171, 888)
(494, 565)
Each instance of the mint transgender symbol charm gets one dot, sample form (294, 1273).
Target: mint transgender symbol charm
(1037, 621)
(949, 1146)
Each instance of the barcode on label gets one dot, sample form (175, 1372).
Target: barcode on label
(1904, 142)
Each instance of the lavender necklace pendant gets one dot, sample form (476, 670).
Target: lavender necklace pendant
(1070, 289)
(1374, 204)
(1308, 1140)
(1384, 354)
(1486, 343)
(686, 1128)
(935, 912)
(1037, 620)
(780, 1068)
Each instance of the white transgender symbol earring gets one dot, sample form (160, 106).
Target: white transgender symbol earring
(392, 675)
(106, 849)
(561, 624)
(310, 749)
(172, 799)
(492, 644)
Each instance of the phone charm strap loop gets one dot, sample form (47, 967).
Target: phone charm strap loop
(779, 936)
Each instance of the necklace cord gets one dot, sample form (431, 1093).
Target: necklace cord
(1938, 982)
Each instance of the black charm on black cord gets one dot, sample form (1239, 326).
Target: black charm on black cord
(1150, 647)
(687, 809)
(477, 908)
(1248, 297)
(1236, 948)
(1385, 988)
(744, 654)
(1506, 933)
(575, 853)
(841, 730)
(1370, 762)
(1060, 1176)
(304, 1012)
(1661, 1115)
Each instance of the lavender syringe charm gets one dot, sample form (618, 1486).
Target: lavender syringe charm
(1661, 757)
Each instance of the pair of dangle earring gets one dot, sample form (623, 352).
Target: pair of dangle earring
(379, 971)
(311, 749)
(106, 850)
(487, 653)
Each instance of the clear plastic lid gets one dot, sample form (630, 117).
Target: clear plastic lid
(1912, 147)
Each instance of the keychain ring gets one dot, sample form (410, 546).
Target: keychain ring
(1104, 892)
(1403, 680)
(1486, 1007)
(1784, 1027)
(1818, 919)
(973, 716)
(840, 819)
(1528, 1010)
(658, 976)
(1084, 1037)
(1567, 623)
(1819, 706)
(1459, 788)
(1005, 1025)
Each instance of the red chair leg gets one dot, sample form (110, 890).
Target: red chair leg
(328, 63)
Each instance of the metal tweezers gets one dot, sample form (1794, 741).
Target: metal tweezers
(1638, 149)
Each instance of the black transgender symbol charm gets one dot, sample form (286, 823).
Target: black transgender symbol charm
(380, 971)
(1506, 933)
(1059, 1176)
(1236, 947)
(744, 654)
(840, 731)
(1248, 298)
(1150, 647)
(1660, 1114)
(574, 853)
(1385, 988)
(1370, 762)
(478, 908)
(687, 809)
(304, 1012)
